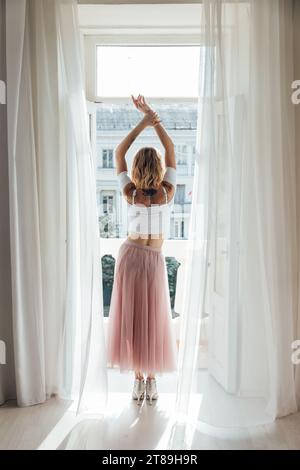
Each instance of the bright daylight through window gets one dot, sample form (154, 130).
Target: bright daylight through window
(172, 91)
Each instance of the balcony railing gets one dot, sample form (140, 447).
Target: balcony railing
(175, 254)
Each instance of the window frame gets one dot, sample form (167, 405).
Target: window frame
(90, 49)
(90, 43)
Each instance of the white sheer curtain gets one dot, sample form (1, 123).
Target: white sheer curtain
(242, 273)
(57, 308)
(242, 243)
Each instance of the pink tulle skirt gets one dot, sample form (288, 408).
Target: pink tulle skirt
(140, 335)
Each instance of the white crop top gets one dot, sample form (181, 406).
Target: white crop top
(149, 220)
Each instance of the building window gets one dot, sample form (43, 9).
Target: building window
(107, 214)
(182, 228)
(180, 194)
(181, 154)
(176, 229)
(107, 158)
(179, 228)
(107, 204)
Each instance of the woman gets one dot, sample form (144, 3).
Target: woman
(140, 335)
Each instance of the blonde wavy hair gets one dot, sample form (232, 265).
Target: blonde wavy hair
(147, 168)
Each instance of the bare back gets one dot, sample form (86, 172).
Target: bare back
(162, 196)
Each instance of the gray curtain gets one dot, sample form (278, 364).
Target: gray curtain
(297, 113)
(7, 374)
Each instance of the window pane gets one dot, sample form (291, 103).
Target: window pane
(107, 158)
(126, 70)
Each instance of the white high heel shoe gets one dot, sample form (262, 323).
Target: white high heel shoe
(151, 390)
(138, 390)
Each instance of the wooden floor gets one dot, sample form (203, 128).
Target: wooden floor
(54, 425)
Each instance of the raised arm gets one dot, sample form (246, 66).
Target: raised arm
(124, 145)
(149, 119)
(164, 137)
(168, 145)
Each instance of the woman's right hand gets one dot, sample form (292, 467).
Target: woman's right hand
(141, 105)
(150, 118)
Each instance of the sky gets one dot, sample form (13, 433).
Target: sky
(164, 71)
